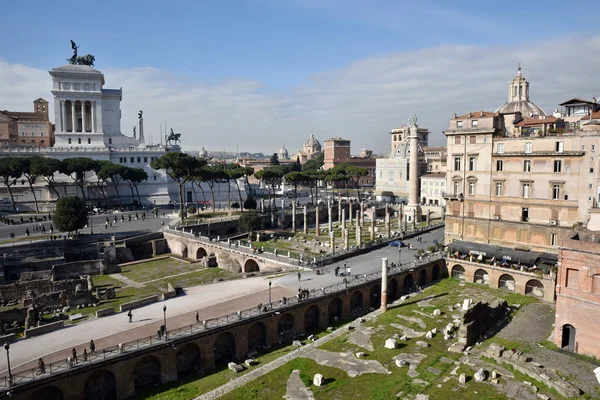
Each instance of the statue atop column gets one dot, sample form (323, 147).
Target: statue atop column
(414, 120)
(134, 131)
(141, 118)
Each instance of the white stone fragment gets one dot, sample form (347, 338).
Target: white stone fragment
(318, 380)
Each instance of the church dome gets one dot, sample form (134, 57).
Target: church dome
(313, 143)
(518, 98)
(283, 153)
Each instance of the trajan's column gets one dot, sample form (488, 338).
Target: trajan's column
(412, 211)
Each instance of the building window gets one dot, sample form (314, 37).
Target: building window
(78, 140)
(499, 165)
(555, 192)
(145, 159)
(89, 141)
(69, 140)
(474, 123)
(109, 140)
(139, 159)
(525, 214)
(553, 239)
(456, 139)
(583, 147)
(500, 147)
(590, 186)
(526, 190)
(472, 163)
(154, 177)
(457, 163)
(527, 166)
(557, 165)
(498, 189)
(472, 188)
(121, 160)
(132, 159)
(456, 187)
(593, 148)
(528, 147)
(459, 125)
(558, 146)
(591, 170)
(472, 139)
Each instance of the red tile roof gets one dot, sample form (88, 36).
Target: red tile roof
(537, 121)
(595, 115)
(477, 114)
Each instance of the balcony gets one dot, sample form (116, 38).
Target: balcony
(453, 196)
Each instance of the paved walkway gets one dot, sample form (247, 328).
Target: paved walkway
(128, 281)
(210, 300)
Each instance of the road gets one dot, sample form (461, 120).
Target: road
(211, 301)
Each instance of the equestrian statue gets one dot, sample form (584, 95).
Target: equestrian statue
(173, 138)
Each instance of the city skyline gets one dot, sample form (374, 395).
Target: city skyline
(317, 68)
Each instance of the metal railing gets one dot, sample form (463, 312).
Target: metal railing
(25, 376)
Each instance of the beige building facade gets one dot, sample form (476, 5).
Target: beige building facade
(27, 128)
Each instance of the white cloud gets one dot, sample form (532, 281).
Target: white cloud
(361, 101)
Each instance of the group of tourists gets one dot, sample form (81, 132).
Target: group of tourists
(303, 294)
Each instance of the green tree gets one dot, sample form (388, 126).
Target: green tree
(248, 172)
(31, 178)
(355, 173)
(250, 222)
(274, 160)
(11, 169)
(114, 173)
(70, 215)
(135, 176)
(214, 175)
(314, 164)
(76, 168)
(250, 203)
(235, 175)
(295, 179)
(45, 168)
(270, 176)
(181, 168)
(101, 179)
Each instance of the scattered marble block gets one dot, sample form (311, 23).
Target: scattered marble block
(250, 362)
(360, 354)
(437, 313)
(421, 382)
(421, 343)
(462, 378)
(494, 375)
(235, 367)
(422, 396)
(401, 363)
(479, 375)
(390, 344)
(429, 335)
(403, 298)
(75, 317)
(360, 320)
(597, 373)
(297, 343)
(434, 331)
(467, 304)
(543, 396)
(312, 338)
(495, 381)
(330, 329)
(404, 337)
(318, 380)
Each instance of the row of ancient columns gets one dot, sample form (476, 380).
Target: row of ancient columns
(82, 103)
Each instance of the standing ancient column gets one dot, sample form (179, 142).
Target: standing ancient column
(346, 239)
(262, 205)
(93, 111)
(343, 220)
(83, 124)
(294, 217)
(358, 235)
(305, 220)
(73, 115)
(339, 210)
(63, 115)
(388, 232)
(400, 217)
(329, 221)
(317, 227)
(384, 268)
(427, 218)
(350, 213)
(373, 225)
(361, 217)
(283, 213)
(332, 242)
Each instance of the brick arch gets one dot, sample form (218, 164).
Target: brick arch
(393, 290)
(335, 309)
(188, 359)
(409, 283)
(286, 326)
(257, 336)
(481, 276)
(507, 282)
(375, 296)
(146, 374)
(436, 272)
(101, 385)
(47, 393)
(224, 348)
(311, 318)
(251, 266)
(356, 302)
(535, 287)
(423, 277)
(458, 272)
(201, 253)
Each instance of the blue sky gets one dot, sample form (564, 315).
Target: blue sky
(283, 47)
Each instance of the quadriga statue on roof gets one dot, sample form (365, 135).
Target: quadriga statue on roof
(88, 59)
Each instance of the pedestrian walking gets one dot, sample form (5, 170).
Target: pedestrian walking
(299, 276)
(197, 317)
(130, 315)
(92, 347)
(159, 334)
(41, 366)
(85, 355)
(74, 353)
(129, 217)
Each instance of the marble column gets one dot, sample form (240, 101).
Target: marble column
(400, 218)
(282, 213)
(388, 232)
(329, 218)
(428, 218)
(414, 219)
(384, 268)
(362, 213)
(332, 242)
(350, 213)
(358, 235)
(83, 127)
(262, 205)
(317, 227)
(339, 205)
(93, 109)
(294, 217)
(373, 226)
(73, 115)
(343, 220)
(305, 220)
(346, 239)
(63, 114)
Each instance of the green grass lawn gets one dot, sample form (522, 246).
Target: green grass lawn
(157, 269)
(379, 386)
(199, 277)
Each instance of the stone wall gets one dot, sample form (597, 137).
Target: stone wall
(76, 269)
(159, 246)
(14, 314)
(138, 303)
(478, 319)
(40, 330)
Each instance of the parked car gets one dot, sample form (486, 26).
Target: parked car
(397, 243)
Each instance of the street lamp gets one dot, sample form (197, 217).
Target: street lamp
(270, 283)
(10, 376)
(165, 320)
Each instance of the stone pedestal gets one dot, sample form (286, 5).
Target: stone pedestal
(293, 217)
(384, 269)
(318, 231)
(346, 239)
(305, 220)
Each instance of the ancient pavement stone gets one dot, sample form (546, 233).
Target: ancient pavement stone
(347, 362)
(415, 320)
(295, 389)
(434, 371)
(409, 332)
